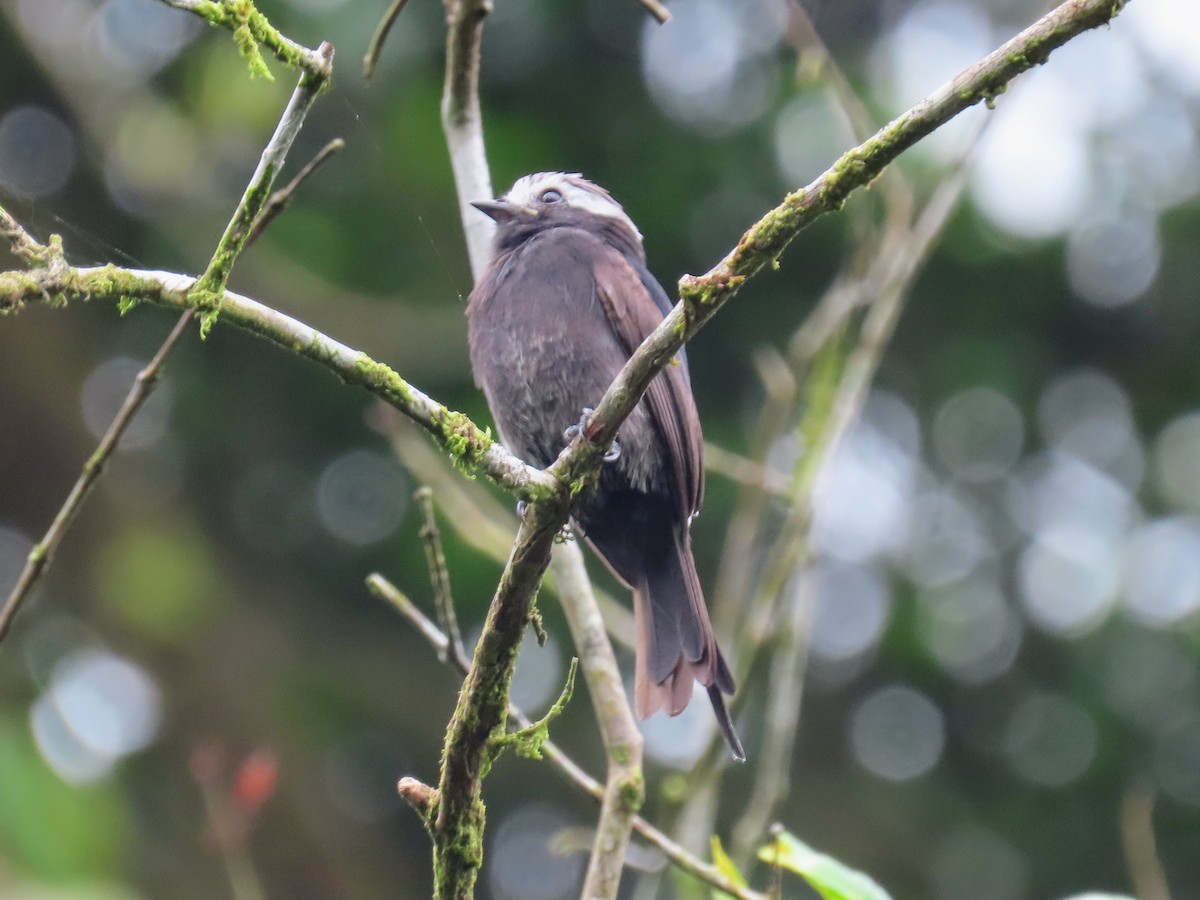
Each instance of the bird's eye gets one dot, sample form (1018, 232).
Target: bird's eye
(551, 196)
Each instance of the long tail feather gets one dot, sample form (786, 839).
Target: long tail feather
(726, 724)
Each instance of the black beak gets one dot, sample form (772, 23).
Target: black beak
(497, 210)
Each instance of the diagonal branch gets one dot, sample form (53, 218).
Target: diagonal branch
(375, 46)
(207, 292)
(456, 818)
(470, 446)
(279, 200)
(39, 557)
(439, 573)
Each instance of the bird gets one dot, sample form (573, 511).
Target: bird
(562, 304)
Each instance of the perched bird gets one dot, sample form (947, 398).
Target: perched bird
(565, 301)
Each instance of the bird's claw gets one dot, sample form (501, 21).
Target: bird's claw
(573, 431)
(579, 428)
(521, 507)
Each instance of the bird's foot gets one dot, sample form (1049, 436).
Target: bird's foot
(565, 535)
(580, 428)
(573, 431)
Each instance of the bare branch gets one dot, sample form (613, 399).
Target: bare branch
(279, 200)
(381, 32)
(439, 574)
(738, 559)
(889, 282)
(806, 40)
(625, 786)
(40, 556)
(463, 124)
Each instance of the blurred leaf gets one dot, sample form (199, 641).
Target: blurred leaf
(726, 865)
(160, 580)
(831, 879)
(50, 828)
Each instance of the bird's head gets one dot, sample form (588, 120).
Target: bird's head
(555, 199)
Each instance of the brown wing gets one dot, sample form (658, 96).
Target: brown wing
(634, 314)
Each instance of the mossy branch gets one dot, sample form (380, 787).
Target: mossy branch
(419, 795)
(471, 446)
(206, 294)
(251, 30)
(529, 740)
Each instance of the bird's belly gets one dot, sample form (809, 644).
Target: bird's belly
(542, 387)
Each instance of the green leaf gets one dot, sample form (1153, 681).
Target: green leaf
(831, 879)
(726, 866)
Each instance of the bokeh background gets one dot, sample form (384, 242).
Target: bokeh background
(1005, 642)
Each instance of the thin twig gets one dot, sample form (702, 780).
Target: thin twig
(381, 32)
(279, 200)
(624, 788)
(1141, 850)
(439, 574)
(681, 858)
(223, 820)
(806, 40)
(39, 557)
